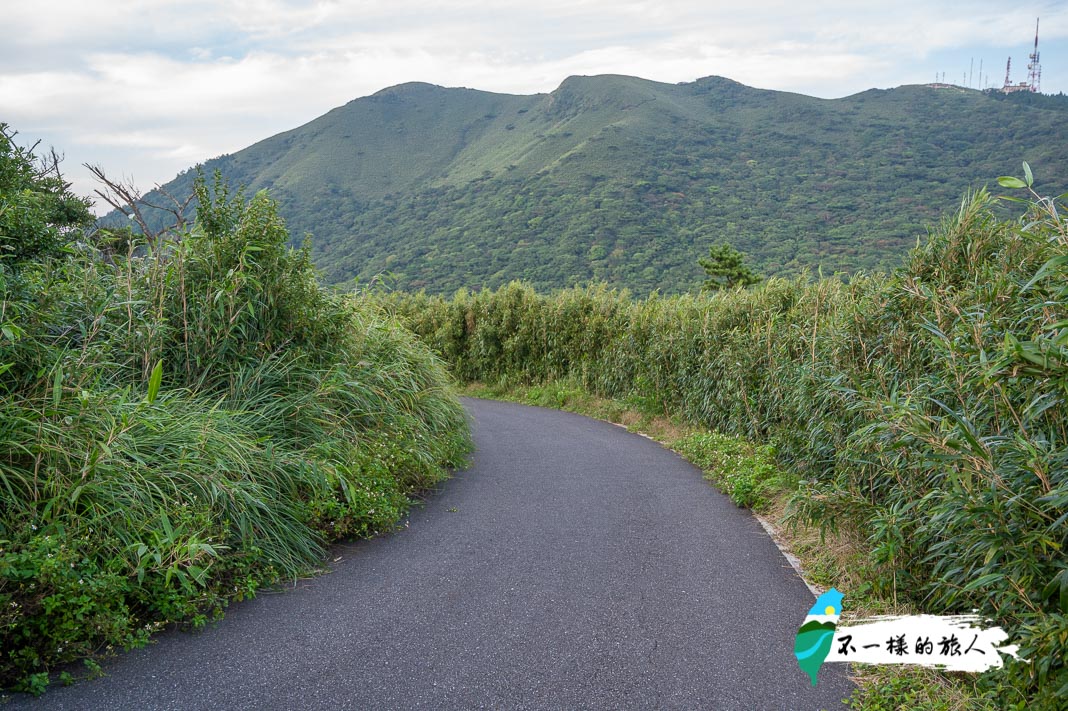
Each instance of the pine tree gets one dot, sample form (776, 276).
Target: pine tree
(726, 269)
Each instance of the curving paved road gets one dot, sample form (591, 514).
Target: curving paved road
(573, 566)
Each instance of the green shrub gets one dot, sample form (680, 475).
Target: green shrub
(183, 425)
(38, 213)
(748, 474)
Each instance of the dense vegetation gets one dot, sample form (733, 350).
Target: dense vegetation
(925, 408)
(183, 424)
(625, 180)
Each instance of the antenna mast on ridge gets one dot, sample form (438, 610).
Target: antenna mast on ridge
(1034, 69)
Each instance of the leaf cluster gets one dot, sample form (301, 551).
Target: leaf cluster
(726, 269)
(38, 213)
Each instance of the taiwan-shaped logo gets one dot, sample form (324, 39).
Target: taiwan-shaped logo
(816, 636)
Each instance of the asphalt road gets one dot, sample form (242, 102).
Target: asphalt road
(574, 565)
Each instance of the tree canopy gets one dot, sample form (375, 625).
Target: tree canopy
(726, 268)
(38, 212)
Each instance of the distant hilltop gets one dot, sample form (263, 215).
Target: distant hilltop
(1032, 85)
(629, 181)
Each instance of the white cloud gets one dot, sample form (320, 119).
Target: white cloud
(152, 86)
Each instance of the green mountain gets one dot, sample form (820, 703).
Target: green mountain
(630, 181)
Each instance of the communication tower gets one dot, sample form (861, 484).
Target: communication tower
(1034, 69)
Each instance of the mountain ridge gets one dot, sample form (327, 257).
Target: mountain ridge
(629, 180)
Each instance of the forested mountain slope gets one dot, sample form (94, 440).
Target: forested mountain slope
(629, 181)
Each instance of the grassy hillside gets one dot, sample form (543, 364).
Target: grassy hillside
(629, 181)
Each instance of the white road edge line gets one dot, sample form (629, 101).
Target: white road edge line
(790, 557)
(773, 533)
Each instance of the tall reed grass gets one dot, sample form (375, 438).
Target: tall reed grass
(926, 407)
(184, 424)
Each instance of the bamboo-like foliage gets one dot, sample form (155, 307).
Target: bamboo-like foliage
(926, 407)
(180, 426)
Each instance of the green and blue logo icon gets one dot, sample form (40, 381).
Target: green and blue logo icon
(816, 636)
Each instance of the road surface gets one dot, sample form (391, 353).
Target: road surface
(574, 565)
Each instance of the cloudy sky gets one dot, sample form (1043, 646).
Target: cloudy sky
(146, 88)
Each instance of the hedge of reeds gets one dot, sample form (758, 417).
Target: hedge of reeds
(184, 422)
(925, 407)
